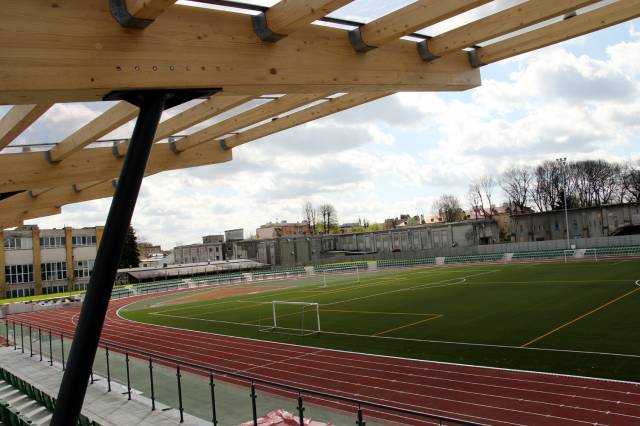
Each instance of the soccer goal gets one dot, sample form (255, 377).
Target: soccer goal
(298, 318)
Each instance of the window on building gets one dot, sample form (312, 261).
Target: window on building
(82, 268)
(52, 242)
(17, 243)
(54, 271)
(83, 240)
(18, 274)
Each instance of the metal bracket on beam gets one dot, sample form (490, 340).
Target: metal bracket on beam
(570, 15)
(31, 194)
(114, 183)
(115, 149)
(121, 14)
(75, 188)
(47, 156)
(174, 147)
(262, 30)
(223, 144)
(424, 52)
(358, 44)
(474, 60)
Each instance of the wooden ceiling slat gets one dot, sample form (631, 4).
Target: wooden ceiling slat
(606, 16)
(116, 116)
(501, 23)
(413, 17)
(288, 16)
(247, 118)
(18, 119)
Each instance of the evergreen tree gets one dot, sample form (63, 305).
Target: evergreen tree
(130, 255)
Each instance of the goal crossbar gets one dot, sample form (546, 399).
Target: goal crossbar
(303, 304)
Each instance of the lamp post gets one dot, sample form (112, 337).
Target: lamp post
(562, 162)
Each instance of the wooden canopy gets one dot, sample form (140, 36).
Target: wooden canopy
(81, 50)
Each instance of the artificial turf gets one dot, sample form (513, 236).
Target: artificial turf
(583, 314)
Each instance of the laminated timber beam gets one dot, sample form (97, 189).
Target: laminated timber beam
(17, 119)
(324, 109)
(247, 118)
(407, 20)
(603, 17)
(288, 16)
(116, 116)
(10, 219)
(58, 197)
(83, 54)
(498, 24)
(32, 170)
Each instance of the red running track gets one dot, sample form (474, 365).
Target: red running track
(479, 394)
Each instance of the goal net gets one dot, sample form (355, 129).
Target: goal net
(298, 318)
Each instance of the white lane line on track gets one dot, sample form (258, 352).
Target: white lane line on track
(260, 366)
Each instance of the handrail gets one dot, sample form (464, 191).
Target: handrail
(108, 344)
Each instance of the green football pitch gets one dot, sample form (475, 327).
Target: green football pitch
(579, 318)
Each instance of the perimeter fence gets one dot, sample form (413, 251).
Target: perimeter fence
(216, 395)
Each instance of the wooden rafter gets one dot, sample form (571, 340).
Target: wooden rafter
(288, 16)
(12, 218)
(32, 170)
(148, 9)
(17, 119)
(603, 17)
(247, 118)
(187, 47)
(313, 113)
(413, 17)
(501, 23)
(111, 119)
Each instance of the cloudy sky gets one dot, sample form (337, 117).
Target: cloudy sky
(578, 99)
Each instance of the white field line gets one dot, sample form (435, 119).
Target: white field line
(406, 339)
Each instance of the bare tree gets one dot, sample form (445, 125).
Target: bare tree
(329, 217)
(480, 194)
(474, 199)
(516, 183)
(630, 184)
(309, 215)
(448, 207)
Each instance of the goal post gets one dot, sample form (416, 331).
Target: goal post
(289, 321)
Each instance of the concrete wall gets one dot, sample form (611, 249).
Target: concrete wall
(583, 223)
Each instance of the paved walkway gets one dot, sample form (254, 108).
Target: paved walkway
(106, 408)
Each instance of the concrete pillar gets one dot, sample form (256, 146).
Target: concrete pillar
(37, 260)
(3, 282)
(68, 245)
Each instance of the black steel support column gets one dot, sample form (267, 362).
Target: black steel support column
(83, 349)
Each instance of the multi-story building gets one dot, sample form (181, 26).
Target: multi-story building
(44, 261)
(211, 249)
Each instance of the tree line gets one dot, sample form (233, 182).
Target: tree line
(545, 187)
(320, 219)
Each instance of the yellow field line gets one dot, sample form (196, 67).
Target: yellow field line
(375, 312)
(407, 325)
(580, 317)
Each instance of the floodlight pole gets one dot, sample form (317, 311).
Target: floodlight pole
(85, 344)
(563, 166)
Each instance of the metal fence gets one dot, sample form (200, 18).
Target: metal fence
(213, 394)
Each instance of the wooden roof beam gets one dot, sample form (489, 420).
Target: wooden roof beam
(496, 25)
(288, 16)
(213, 106)
(138, 14)
(116, 116)
(193, 48)
(31, 170)
(247, 118)
(606, 16)
(11, 218)
(309, 114)
(407, 20)
(17, 119)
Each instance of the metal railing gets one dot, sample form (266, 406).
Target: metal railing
(50, 343)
